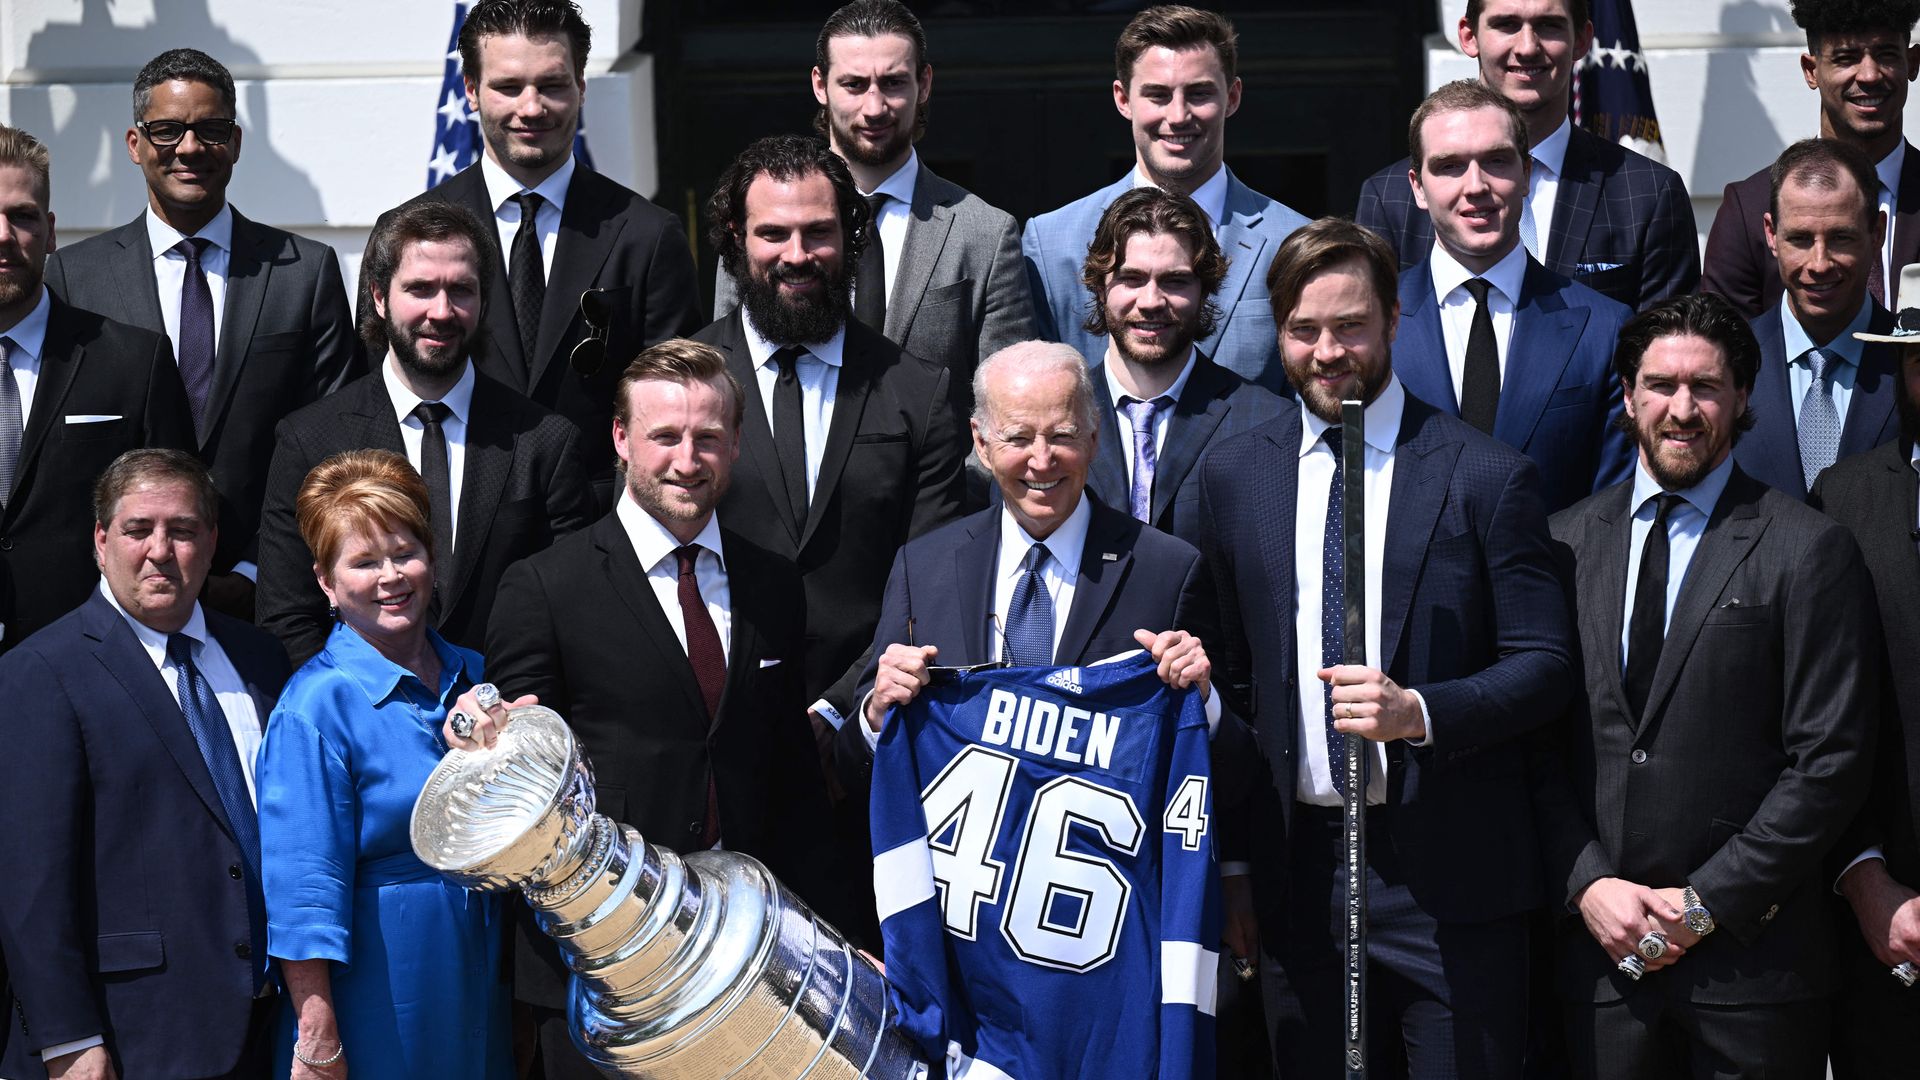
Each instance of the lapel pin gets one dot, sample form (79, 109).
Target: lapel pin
(1109, 556)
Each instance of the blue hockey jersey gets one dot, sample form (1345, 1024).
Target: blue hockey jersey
(1045, 873)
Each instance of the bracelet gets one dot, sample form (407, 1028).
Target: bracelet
(322, 1062)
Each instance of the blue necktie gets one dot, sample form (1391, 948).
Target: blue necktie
(208, 722)
(1030, 616)
(1140, 415)
(1819, 418)
(1333, 608)
(196, 347)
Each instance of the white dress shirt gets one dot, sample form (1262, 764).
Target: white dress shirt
(1211, 196)
(1161, 417)
(818, 370)
(1543, 181)
(1685, 525)
(454, 427)
(1844, 345)
(895, 213)
(1457, 306)
(654, 546)
(29, 337)
(1313, 776)
(170, 269)
(501, 189)
(1888, 171)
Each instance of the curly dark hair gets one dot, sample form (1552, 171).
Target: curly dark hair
(1820, 17)
(415, 223)
(1150, 210)
(785, 158)
(1703, 315)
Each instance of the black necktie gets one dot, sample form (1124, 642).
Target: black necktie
(11, 422)
(527, 276)
(195, 350)
(1333, 606)
(870, 280)
(709, 662)
(1648, 630)
(435, 470)
(790, 430)
(1480, 378)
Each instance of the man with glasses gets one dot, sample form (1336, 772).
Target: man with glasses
(559, 228)
(257, 316)
(503, 474)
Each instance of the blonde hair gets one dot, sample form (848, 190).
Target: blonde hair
(19, 147)
(358, 492)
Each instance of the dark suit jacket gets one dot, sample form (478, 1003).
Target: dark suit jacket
(891, 470)
(1216, 404)
(90, 367)
(1873, 495)
(1559, 397)
(1472, 617)
(1770, 453)
(286, 340)
(960, 293)
(1739, 266)
(1752, 755)
(523, 488)
(610, 238)
(124, 895)
(1622, 223)
(579, 625)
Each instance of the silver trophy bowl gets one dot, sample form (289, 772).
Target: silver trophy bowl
(684, 968)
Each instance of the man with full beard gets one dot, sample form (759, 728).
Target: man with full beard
(504, 475)
(1466, 632)
(941, 275)
(1153, 271)
(1722, 739)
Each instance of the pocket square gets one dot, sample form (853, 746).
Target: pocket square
(1596, 267)
(771, 661)
(91, 418)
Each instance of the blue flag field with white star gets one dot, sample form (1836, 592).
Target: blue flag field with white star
(456, 130)
(1612, 94)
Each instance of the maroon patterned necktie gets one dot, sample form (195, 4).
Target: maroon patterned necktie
(709, 662)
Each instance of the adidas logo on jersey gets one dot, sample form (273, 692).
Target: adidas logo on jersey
(1067, 679)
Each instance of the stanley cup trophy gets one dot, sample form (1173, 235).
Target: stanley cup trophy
(683, 968)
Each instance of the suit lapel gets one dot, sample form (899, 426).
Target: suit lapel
(622, 567)
(489, 460)
(1109, 476)
(1906, 219)
(133, 270)
(1871, 406)
(1104, 564)
(1242, 243)
(974, 568)
(370, 419)
(858, 373)
(1420, 348)
(928, 223)
(587, 236)
(756, 436)
(249, 271)
(744, 648)
(1422, 470)
(468, 188)
(1196, 416)
(60, 360)
(1609, 583)
(1545, 333)
(1573, 208)
(1731, 532)
(1773, 399)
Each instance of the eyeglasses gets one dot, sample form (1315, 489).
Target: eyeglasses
(170, 132)
(596, 310)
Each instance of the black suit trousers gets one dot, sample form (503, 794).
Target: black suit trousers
(1648, 1036)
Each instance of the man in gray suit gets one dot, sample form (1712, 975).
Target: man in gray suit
(945, 280)
(1724, 739)
(257, 316)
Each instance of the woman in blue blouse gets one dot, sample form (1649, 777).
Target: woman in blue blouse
(388, 966)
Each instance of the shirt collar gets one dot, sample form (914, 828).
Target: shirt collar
(30, 333)
(1845, 345)
(652, 543)
(154, 641)
(1066, 545)
(1210, 196)
(380, 677)
(761, 350)
(899, 187)
(1505, 275)
(1551, 152)
(1172, 393)
(501, 187)
(162, 237)
(459, 399)
(1703, 496)
(1383, 420)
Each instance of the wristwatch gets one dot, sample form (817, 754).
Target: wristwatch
(1698, 918)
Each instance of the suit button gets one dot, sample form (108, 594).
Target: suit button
(6, 543)
(234, 871)
(1639, 757)
(1771, 912)
(243, 950)
(693, 828)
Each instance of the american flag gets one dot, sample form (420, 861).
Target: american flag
(456, 131)
(1612, 95)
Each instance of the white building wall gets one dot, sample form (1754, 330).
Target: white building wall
(336, 101)
(1726, 85)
